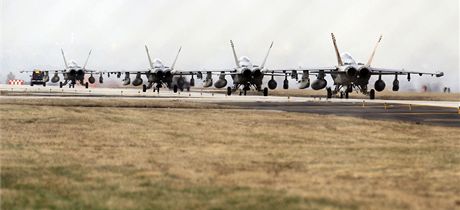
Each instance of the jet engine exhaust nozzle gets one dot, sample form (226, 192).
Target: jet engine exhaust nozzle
(364, 73)
(351, 72)
(246, 73)
(257, 72)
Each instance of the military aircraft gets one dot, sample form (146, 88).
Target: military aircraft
(246, 75)
(349, 75)
(72, 73)
(158, 75)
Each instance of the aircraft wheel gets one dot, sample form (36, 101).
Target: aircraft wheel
(341, 94)
(32, 84)
(265, 91)
(60, 84)
(144, 88)
(44, 84)
(188, 89)
(346, 95)
(329, 92)
(86, 85)
(175, 88)
(229, 91)
(245, 91)
(349, 89)
(372, 94)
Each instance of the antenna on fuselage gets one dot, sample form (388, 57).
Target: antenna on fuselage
(373, 52)
(234, 54)
(266, 56)
(337, 53)
(175, 59)
(65, 61)
(148, 55)
(84, 67)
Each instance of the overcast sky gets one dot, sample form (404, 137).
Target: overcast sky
(421, 35)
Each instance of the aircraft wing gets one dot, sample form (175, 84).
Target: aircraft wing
(47, 70)
(89, 71)
(125, 71)
(384, 71)
(203, 72)
(299, 70)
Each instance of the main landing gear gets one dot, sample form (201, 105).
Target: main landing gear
(329, 92)
(245, 90)
(372, 94)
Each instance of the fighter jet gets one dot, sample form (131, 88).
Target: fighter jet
(350, 75)
(245, 75)
(72, 73)
(158, 75)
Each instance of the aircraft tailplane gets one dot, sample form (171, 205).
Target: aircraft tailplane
(148, 55)
(86, 62)
(337, 53)
(373, 52)
(234, 54)
(175, 59)
(65, 61)
(266, 56)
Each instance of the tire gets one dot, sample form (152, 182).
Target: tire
(229, 91)
(372, 94)
(346, 95)
(188, 89)
(329, 93)
(175, 88)
(44, 84)
(32, 84)
(341, 94)
(144, 88)
(265, 91)
(86, 85)
(349, 89)
(60, 84)
(245, 92)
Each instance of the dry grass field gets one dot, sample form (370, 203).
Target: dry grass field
(65, 155)
(387, 95)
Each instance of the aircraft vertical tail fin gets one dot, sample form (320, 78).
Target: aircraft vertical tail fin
(65, 61)
(234, 54)
(373, 52)
(337, 53)
(148, 56)
(86, 62)
(175, 59)
(266, 56)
